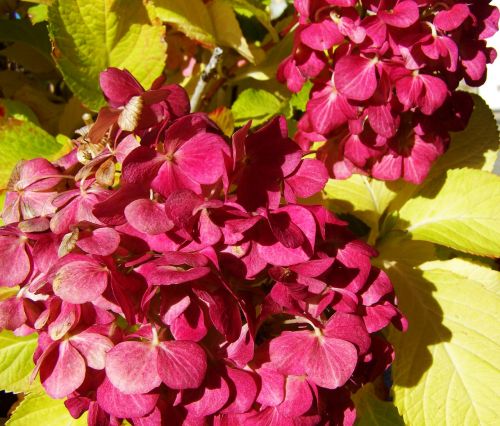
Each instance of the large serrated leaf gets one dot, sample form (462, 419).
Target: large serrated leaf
(16, 361)
(256, 105)
(91, 35)
(23, 140)
(371, 411)
(461, 212)
(446, 368)
(40, 409)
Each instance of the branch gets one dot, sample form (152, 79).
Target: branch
(205, 77)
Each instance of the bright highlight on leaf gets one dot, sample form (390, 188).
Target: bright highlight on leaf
(461, 212)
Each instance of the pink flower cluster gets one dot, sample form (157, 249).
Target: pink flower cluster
(177, 280)
(385, 74)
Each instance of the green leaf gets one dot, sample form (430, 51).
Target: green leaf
(16, 361)
(476, 147)
(23, 140)
(190, 18)
(227, 29)
(91, 35)
(461, 212)
(446, 367)
(255, 105)
(18, 110)
(371, 411)
(299, 100)
(38, 13)
(36, 407)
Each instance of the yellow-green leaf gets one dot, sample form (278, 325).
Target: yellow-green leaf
(227, 29)
(446, 368)
(365, 198)
(461, 212)
(372, 411)
(476, 147)
(91, 35)
(16, 361)
(189, 17)
(256, 9)
(256, 105)
(22, 140)
(40, 409)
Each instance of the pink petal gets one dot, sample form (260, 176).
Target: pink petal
(180, 206)
(190, 325)
(208, 399)
(63, 371)
(14, 260)
(119, 86)
(350, 328)
(181, 364)
(310, 178)
(243, 391)
(162, 273)
(148, 216)
(121, 405)
(451, 19)
(355, 77)
(289, 351)
(298, 397)
(321, 35)
(272, 389)
(402, 16)
(80, 281)
(131, 367)
(101, 241)
(331, 361)
(93, 347)
(201, 158)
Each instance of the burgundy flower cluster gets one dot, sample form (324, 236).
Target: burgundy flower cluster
(385, 74)
(173, 278)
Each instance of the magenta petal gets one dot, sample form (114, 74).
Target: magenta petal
(309, 179)
(298, 397)
(285, 231)
(63, 371)
(80, 281)
(402, 16)
(272, 389)
(436, 92)
(119, 86)
(355, 77)
(244, 387)
(131, 367)
(350, 328)
(121, 405)
(331, 361)
(93, 347)
(290, 350)
(321, 35)
(101, 241)
(451, 19)
(210, 398)
(157, 273)
(148, 216)
(14, 260)
(180, 206)
(201, 158)
(181, 364)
